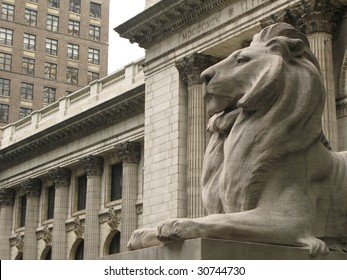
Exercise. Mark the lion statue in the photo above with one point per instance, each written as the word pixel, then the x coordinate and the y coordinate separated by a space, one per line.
pixel 269 175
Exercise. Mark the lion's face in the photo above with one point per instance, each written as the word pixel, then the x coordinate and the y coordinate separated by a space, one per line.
pixel 236 81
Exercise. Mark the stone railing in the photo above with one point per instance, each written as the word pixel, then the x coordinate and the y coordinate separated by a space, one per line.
pixel 115 84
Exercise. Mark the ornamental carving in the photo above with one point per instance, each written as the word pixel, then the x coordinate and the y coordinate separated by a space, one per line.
pixel 60 176
pixel 113 220
pixel 129 152
pixel 7 197
pixel 92 165
pixel 32 187
pixel 191 66
pixel 78 228
pixel 47 236
pixel 19 243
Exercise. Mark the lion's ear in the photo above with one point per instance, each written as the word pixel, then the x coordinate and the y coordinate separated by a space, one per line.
pixel 288 48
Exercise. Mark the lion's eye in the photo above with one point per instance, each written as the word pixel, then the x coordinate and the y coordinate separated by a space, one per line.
pixel 242 59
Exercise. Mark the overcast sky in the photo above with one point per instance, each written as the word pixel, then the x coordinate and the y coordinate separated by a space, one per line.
pixel 121 51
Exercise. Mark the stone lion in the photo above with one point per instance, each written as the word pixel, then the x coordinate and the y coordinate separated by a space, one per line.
pixel 269 175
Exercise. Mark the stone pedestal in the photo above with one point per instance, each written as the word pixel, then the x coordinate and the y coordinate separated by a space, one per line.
pixel 214 249
pixel 6 211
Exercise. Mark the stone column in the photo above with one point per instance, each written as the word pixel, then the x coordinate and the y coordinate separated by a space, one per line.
pixel 190 69
pixel 129 153
pixel 61 178
pixel 318 19
pixel 32 188
pixel 93 167
pixel 6 211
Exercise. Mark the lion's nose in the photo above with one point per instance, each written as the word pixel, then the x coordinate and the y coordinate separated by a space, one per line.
pixel 207 75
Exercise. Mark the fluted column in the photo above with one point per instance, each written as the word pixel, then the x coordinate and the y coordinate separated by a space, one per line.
pixel 190 69
pixel 93 167
pixel 129 153
pixel 61 178
pixel 6 211
pixel 32 189
pixel 318 19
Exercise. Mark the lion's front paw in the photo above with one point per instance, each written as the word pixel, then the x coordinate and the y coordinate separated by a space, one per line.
pixel 315 245
pixel 143 238
pixel 177 229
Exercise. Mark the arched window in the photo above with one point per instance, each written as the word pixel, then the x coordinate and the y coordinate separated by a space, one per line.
pixel 79 251
pixel 114 247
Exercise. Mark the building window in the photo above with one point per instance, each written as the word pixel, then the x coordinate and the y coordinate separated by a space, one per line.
pixel 94 56
pixel 50 202
pixel 27 91
pixel 4 112
pixel 51 46
pixel 116 181
pixel 54 3
pixel 22 210
pixel 115 244
pixel 28 66
pixel 79 251
pixel 95 10
pixel 5 87
pixel 29 42
pixel 94 32
pixel 74 28
pixel 30 17
pixel 50 71
pixel 73 51
pixel 72 75
pixel 5 61
pixel 52 23
pixel 75 6
pixel 7 12
pixel 82 192
pixel 6 36
pixel 49 95
pixel 23 112
pixel 92 76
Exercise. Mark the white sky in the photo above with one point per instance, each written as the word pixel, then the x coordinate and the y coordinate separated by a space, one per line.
pixel 121 52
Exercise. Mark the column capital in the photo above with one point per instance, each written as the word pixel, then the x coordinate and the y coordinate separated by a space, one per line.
pixel 7 197
pixel 32 187
pixel 60 176
pixel 92 165
pixel 129 152
pixel 191 67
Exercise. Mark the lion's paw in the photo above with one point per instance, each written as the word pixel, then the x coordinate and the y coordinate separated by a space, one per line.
pixel 315 245
pixel 177 229
pixel 143 238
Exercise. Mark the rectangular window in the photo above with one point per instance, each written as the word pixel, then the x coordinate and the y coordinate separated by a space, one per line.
pixel 92 76
pixel 94 56
pixel 52 23
pixel 28 66
pixel 95 10
pixel 22 211
pixel 94 32
pixel 75 6
pixel 51 47
pixel 53 3
pixel 5 87
pixel 116 181
pixel 30 17
pixel 4 109
pixel 27 91
pixel 74 28
pixel 72 75
pixel 50 202
pixel 7 12
pixel 73 51
pixel 49 95
pixel 23 112
pixel 5 61
pixel 29 42
pixel 82 193
pixel 6 36
pixel 50 71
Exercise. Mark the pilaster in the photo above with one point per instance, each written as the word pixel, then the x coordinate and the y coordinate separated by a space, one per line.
pixel 6 211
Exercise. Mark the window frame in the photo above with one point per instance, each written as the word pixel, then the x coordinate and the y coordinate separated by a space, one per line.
pixel 50 71
pixel 95 10
pixel 27 91
pixel 4 112
pixel 49 95
pixel 94 56
pixel 52 23
pixel 5 61
pixel 51 47
pixel 28 66
pixel 29 42
pixel 30 17
pixel 5 87
pixel 7 35
pixel 7 12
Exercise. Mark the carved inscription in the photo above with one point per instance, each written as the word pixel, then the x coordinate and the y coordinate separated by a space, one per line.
pixel 202 26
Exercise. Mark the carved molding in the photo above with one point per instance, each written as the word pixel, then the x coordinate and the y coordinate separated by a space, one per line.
pixel 92 165
pixel 341 107
pixel 47 236
pixel 19 243
pixel 32 187
pixel 7 197
pixel 60 176
pixel 78 228
pixel 343 76
pixel 129 152
pixel 113 219
pixel 191 67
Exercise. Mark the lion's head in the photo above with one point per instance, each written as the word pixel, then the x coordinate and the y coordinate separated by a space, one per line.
pixel 269 97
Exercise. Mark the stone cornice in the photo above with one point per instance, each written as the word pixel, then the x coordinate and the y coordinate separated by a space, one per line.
pixel 108 113
pixel 165 18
